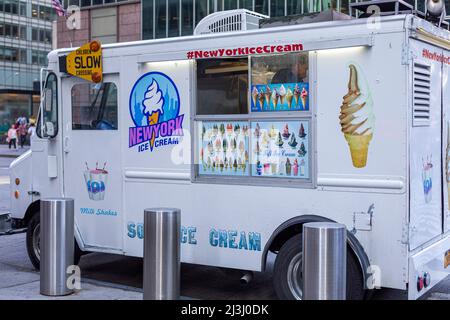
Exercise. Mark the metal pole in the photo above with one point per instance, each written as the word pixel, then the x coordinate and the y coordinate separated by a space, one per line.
pixel 56 245
pixel 162 253
pixel 324 261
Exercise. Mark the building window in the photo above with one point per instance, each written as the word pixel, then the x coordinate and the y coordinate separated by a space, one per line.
pixel 34 11
pixel 34 35
pixel 13 55
pixel 294 7
pixel 201 10
pixel 13 31
pixel 34 57
pixel 147 19
pixel 261 6
pixel 23 56
pixel 23 33
pixel 160 13
pixel 187 17
pixel 246 4
pixel 104 24
pixel 276 8
pixel 173 18
pixel 23 9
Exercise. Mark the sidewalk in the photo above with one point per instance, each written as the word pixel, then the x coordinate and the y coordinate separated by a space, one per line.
pixel 5 152
pixel 25 285
pixel 19 280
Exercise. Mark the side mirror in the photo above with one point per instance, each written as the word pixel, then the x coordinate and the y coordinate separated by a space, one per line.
pixel 47 126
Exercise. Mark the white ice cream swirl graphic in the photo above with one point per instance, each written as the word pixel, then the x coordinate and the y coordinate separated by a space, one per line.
pixel 153 99
pixel 357 106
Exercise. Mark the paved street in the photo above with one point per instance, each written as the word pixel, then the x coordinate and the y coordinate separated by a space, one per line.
pixel 108 276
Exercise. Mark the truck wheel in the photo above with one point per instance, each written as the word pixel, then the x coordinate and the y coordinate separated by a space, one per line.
pixel 287 277
pixel 33 242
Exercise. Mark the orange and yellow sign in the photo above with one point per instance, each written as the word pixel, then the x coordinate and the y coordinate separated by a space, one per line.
pixel 86 62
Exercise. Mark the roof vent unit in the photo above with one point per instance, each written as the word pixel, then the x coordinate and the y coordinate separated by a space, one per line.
pixel 229 21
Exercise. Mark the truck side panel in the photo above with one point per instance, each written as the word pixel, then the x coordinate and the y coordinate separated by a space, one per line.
pixel 425 146
pixel 229 225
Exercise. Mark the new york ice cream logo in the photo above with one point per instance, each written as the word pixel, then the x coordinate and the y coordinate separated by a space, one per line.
pixel 155 108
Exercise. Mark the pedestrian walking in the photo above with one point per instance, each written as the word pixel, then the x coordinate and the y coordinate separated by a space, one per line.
pixel 12 136
pixel 22 133
pixel 31 130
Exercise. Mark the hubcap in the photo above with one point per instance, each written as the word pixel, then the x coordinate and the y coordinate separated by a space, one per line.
pixel 294 276
pixel 37 241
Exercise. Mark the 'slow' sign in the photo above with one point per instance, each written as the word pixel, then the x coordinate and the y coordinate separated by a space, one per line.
pixel 86 62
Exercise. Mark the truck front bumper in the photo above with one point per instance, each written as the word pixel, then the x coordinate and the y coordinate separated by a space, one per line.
pixel 9 225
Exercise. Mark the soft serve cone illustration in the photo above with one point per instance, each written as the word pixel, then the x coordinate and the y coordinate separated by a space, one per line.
pixel 153 103
pixel 356 117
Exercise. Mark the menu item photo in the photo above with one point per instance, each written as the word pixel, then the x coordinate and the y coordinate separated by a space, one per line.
pixel 280 149
pixel 223 148
pixel 276 97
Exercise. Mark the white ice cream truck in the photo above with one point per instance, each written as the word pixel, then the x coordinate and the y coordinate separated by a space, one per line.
pixel 253 133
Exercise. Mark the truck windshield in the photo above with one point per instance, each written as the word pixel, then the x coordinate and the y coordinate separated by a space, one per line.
pixel 94 106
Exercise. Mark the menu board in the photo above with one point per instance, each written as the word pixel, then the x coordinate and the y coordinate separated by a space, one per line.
pixel 281 149
pixel 280 97
pixel 223 148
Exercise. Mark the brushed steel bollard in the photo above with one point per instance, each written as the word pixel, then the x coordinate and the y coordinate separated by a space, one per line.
pixel 162 253
pixel 324 261
pixel 56 245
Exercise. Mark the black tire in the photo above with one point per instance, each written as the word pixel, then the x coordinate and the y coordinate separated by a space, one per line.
pixel 32 240
pixel 287 285
pixel 33 226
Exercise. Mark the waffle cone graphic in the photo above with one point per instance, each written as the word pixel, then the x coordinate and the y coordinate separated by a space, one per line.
pixel 267 97
pixel 354 120
pixel 303 101
pixel 296 96
pixel 359 146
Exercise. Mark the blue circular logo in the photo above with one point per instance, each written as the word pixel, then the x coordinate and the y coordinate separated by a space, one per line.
pixel 154 99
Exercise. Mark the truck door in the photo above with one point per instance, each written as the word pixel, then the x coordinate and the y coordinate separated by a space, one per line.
pixel 92 160
pixel 425 146
pixel 446 142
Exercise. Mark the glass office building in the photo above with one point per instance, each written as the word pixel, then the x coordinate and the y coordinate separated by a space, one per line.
pixel 171 18
pixel 25 40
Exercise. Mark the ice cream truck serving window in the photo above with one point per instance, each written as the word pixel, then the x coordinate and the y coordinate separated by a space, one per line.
pixel 253 120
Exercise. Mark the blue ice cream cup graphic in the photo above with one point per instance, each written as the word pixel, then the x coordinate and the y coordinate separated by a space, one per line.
pixel 96 181
pixel 427 180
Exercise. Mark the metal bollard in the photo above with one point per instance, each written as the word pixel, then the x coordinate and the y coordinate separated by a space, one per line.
pixel 324 261
pixel 162 254
pixel 56 245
